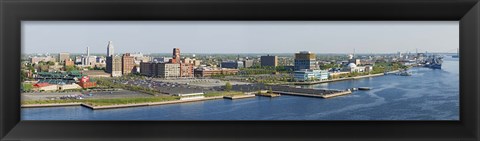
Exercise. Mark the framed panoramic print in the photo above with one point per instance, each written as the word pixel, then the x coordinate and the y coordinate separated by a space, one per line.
pixel 239 70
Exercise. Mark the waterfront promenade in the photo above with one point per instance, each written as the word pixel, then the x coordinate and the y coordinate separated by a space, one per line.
pixel 340 79
pixel 120 105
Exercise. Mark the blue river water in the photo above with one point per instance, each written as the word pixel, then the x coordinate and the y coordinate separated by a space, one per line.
pixel 426 95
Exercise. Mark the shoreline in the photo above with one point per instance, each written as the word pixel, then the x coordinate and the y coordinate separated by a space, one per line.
pixel 201 99
pixel 50 105
pixel 342 79
pixel 118 106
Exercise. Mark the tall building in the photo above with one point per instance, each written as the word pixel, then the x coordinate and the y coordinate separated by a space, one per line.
pixel 162 59
pixel 35 59
pixel 232 64
pixel 247 63
pixel 88 56
pixel 69 62
pixel 269 60
pixel 63 56
pixel 186 70
pixel 304 60
pixel 110 49
pixel 193 61
pixel 114 66
pixel 163 70
pixel 128 63
pixel 89 60
pixel 176 55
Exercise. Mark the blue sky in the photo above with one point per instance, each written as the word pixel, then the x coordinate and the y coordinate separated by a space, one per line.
pixel 240 36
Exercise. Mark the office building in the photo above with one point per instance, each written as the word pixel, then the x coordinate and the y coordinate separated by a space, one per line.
pixel 35 59
pixel 186 70
pixel 89 61
pixel 193 61
pixel 110 49
pixel 304 60
pixel 269 61
pixel 176 55
pixel 161 59
pixel 114 66
pixel 163 70
pixel 128 63
pixel 63 56
pixel 310 75
pixel 232 64
pixel 247 63
pixel 68 63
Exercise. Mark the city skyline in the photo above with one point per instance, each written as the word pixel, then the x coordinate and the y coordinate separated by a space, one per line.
pixel 241 37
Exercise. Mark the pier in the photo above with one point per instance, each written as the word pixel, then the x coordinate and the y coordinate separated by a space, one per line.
pixel 325 96
pixel 309 92
pixel 238 96
pixel 50 105
pixel 269 95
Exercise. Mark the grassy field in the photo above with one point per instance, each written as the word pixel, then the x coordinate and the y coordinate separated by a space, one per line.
pixel 27 87
pixel 107 102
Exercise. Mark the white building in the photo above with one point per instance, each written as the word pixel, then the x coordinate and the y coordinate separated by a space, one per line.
pixel 110 49
pixel 308 74
pixel 351 67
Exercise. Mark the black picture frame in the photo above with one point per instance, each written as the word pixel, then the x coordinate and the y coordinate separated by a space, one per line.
pixel 465 11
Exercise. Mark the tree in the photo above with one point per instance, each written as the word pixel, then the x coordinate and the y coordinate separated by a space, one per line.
pixel 70 68
pixel 50 63
pixel 228 86
pixel 270 90
pixel 23 76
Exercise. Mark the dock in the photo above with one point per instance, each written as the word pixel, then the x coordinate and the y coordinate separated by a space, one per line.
pixel 269 95
pixel 299 94
pixel 325 96
pixel 150 104
pixel 337 94
pixel 50 105
pixel 238 96
pixel 122 105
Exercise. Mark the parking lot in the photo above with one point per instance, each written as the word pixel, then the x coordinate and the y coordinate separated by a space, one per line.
pixel 85 95
pixel 200 82
pixel 170 87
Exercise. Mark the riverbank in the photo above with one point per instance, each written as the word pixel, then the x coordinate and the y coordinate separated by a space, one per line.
pixel 341 79
pixel 128 102
pixel 96 107
pixel 151 104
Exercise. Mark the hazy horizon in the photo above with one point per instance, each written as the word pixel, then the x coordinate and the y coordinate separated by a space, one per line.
pixel 240 37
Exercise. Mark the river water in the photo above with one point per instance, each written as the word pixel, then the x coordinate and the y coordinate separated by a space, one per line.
pixel 426 95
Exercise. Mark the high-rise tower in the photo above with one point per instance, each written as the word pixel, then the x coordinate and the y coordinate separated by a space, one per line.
pixel 176 55
pixel 87 62
pixel 109 49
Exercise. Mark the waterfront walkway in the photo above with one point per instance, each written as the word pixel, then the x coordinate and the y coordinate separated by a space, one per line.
pixel 339 79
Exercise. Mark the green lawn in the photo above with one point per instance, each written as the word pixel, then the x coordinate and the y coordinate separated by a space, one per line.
pixel 107 102
pixel 27 87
